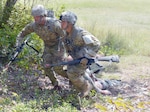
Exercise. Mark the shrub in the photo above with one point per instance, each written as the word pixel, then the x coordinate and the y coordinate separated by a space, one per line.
pixel 8 33
pixel 20 16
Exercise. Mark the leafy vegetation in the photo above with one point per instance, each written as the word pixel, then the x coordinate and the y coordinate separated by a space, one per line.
pixel 11 29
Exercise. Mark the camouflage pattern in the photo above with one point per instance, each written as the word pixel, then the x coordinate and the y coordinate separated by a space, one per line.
pixel 68 16
pixel 76 44
pixel 38 10
pixel 50 33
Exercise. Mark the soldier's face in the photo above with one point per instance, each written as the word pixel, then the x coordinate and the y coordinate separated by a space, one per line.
pixel 64 25
pixel 39 19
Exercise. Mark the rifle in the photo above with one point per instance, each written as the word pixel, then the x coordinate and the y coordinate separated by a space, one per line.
pixel 18 50
pixel 112 58
pixel 94 67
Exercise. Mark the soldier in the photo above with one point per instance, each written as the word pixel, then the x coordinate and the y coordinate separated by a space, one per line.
pixel 49 30
pixel 78 43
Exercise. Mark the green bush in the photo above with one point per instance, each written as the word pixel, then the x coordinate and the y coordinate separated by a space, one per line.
pixel 18 19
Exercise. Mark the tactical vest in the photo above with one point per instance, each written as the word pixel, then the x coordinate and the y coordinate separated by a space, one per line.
pixel 50 32
pixel 74 42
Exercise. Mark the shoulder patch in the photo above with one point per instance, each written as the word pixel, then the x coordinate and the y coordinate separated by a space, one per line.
pixel 88 39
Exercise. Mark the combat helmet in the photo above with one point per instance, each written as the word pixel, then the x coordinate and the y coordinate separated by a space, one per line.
pixel 38 10
pixel 69 17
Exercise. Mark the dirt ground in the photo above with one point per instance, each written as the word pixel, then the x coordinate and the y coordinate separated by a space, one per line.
pixel 134 76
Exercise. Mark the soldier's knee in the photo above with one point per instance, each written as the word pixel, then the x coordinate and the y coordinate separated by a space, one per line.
pixel 82 85
pixel 60 71
pixel 86 88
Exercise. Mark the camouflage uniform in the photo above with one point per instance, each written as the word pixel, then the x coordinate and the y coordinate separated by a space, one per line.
pixel 78 44
pixel 50 33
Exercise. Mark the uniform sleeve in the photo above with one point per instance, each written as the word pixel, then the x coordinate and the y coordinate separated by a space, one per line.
pixel 92 44
pixel 25 31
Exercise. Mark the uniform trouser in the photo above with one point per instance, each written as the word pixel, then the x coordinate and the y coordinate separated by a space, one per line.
pixel 52 72
pixel 76 76
pixel 52 56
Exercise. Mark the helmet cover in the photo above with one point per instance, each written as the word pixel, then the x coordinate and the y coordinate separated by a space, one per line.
pixel 38 10
pixel 69 17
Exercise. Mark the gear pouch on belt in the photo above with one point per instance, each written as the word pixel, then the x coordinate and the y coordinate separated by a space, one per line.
pixel 95 67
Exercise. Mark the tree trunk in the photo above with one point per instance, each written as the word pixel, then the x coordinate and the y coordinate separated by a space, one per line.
pixel 7 11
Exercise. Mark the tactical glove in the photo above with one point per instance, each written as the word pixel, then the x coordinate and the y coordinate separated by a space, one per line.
pixel 84 61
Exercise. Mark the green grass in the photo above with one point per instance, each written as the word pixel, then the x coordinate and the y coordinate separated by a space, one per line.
pixel 127 19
